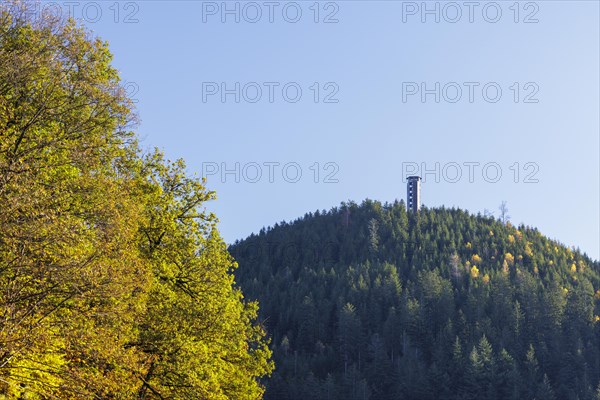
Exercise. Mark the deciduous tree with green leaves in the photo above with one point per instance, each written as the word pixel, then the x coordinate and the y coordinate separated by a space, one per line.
pixel 114 283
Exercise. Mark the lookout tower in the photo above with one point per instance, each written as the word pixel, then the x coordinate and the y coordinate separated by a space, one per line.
pixel 413 193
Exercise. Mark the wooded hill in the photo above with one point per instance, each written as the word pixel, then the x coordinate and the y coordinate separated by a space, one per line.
pixel 369 302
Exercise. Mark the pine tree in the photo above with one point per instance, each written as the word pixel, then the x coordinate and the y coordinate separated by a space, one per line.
pixel 545 391
pixel 350 334
pixel 532 371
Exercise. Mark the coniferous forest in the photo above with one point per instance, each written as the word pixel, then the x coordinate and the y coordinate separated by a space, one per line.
pixel 371 302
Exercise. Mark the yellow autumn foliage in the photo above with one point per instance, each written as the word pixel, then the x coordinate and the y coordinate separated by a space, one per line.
pixel 528 250
pixel 505 267
pixel 115 281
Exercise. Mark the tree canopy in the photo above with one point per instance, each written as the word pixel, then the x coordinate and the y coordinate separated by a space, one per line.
pixel 114 281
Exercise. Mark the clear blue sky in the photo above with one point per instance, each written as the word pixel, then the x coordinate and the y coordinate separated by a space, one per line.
pixel 371 61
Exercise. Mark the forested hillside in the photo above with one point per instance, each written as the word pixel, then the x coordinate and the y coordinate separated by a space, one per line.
pixel 369 302
pixel 114 281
